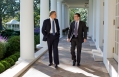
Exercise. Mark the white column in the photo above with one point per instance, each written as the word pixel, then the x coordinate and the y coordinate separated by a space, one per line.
pixel 87 19
pixel 44 14
pixel 109 16
pixel 53 5
pixel 26 30
pixel 63 16
pixel 59 15
pixel 11 26
pixel 99 23
pixel 66 16
pixel 94 20
pixel 90 17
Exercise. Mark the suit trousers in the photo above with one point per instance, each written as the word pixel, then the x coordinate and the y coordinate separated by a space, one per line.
pixel 75 43
pixel 52 42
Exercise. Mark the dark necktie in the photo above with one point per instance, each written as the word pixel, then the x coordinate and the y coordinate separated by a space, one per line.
pixel 76 30
pixel 53 27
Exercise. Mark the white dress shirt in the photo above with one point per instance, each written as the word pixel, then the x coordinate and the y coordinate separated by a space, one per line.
pixel 51 20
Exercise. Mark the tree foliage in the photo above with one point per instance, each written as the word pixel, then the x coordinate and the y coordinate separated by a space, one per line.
pixel 36 12
pixel 83 12
pixel 8 9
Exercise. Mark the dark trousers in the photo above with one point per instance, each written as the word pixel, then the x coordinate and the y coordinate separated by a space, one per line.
pixel 52 42
pixel 75 42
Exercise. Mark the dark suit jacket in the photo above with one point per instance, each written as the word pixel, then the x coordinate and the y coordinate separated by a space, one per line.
pixel 47 27
pixel 82 31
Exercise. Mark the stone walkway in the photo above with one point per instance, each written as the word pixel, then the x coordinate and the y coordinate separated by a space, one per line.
pixel 88 68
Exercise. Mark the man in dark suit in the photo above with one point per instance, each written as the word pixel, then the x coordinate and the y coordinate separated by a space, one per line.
pixel 51 32
pixel 77 35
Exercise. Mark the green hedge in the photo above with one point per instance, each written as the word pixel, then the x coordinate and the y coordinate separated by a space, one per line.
pixel 7 33
pixel 8 62
pixel 14 58
pixel 17 54
pixel 13 45
pixel 2 68
pixel 36 40
pixel 3 46
pixel 2 50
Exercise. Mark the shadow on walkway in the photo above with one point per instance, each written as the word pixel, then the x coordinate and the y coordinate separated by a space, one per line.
pixel 88 68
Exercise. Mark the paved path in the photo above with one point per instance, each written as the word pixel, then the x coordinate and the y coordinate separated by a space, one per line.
pixel 88 68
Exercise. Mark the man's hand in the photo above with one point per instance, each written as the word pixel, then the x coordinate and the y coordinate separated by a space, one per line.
pixel 68 40
pixel 85 40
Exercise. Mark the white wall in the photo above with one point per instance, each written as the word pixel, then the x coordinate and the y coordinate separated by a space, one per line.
pixel 109 16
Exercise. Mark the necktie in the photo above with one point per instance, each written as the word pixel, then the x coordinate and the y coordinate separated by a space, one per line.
pixel 76 30
pixel 53 27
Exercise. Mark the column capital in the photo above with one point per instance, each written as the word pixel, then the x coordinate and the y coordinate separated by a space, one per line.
pixel 65 4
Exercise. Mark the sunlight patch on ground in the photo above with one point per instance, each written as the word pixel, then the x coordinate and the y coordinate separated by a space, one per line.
pixel 76 70
pixel 34 73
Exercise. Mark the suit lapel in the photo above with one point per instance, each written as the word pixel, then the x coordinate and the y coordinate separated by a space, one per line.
pixel 50 24
pixel 80 24
pixel 73 26
pixel 56 23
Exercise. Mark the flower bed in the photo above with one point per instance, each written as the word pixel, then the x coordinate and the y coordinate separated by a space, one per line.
pixel 9 52
pixel 9 49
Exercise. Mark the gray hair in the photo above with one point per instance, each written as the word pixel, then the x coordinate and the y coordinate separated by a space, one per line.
pixel 52 12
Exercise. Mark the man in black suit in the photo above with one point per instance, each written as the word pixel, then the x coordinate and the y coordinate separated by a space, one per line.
pixel 51 32
pixel 77 35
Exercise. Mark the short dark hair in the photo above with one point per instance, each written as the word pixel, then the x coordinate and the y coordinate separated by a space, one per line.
pixel 52 12
pixel 77 14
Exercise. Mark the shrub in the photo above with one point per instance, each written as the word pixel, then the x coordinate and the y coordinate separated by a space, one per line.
pixel 14 45
pixel 7 32
pixel 6 64
pixel 2 50
pixel 16 33
pixel 10 60
pixel 17 54
pixel 36 40
pixel 2 68
pixel 14 58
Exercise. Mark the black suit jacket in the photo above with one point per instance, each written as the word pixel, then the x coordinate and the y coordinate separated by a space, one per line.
pixel 82 31
pixel 47 27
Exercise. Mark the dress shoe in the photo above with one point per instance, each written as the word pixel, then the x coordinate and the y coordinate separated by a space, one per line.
pixel 56 66
pixel 74 63
pixel 50 64
pixel 78 64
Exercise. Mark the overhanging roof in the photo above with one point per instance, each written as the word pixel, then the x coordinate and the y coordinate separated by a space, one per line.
pixel 77 3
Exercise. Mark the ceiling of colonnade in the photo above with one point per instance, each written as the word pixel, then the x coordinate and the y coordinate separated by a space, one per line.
pixel 76 3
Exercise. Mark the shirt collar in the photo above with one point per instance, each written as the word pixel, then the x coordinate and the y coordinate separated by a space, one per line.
pixel 77 21
pixel 51 19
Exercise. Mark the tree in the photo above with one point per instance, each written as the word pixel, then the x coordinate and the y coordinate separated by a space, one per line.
pixel 72 12
pixel 36 12
pixel 11 9
pixel 83 12
pixel 8 9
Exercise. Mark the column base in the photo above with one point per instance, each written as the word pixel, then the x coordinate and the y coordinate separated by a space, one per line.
pixel 26 60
